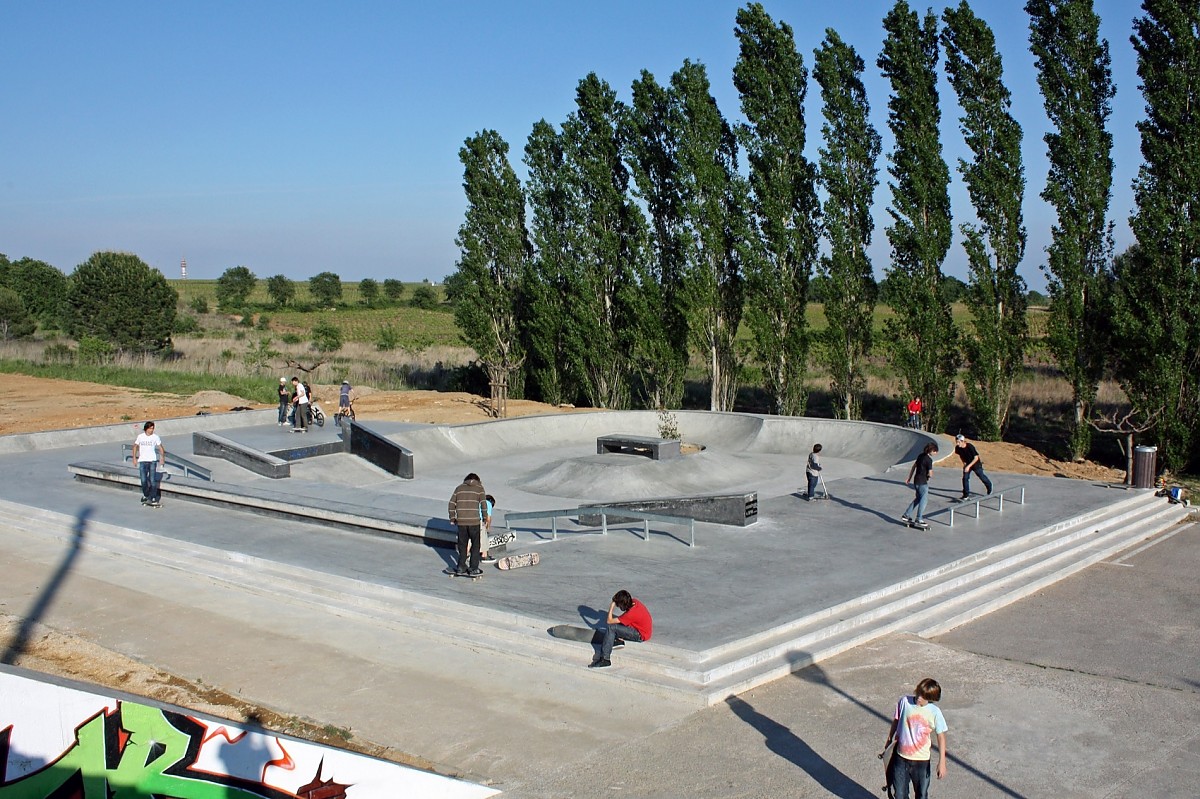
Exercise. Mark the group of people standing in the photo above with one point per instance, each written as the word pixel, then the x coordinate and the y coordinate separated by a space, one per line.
pixel 922 472
pixel 295 404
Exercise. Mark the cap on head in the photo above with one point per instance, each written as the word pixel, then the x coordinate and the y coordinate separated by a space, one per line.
pixel 283 380
pixel 960 437
pixel 345 382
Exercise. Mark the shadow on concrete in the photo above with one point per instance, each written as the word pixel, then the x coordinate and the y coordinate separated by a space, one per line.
pixel 40 605
pixel 592 617
pixel 817 676
pixel 785 743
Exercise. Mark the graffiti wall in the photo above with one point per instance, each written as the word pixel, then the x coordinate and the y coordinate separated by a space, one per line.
pixel 62 743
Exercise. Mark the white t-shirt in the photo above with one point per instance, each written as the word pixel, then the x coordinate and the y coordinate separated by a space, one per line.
pixel 147 447
pixel 301 394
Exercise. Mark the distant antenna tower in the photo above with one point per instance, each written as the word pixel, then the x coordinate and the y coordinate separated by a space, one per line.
pixel 183 268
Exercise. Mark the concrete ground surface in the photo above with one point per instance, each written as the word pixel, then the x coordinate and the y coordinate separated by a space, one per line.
pixel 1088 688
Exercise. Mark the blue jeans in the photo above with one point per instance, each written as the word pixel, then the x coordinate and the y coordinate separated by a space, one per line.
pixel 150 480
pixel 614 632
pixel 914 421
pixel 918 503
pixel 914 771
pixel 812 486
pixel 283 410
pixel 983 478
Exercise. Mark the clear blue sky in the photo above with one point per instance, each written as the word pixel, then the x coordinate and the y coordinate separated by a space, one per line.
pixel 298 137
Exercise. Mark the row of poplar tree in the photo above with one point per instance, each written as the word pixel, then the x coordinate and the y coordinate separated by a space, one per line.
pixel 639 239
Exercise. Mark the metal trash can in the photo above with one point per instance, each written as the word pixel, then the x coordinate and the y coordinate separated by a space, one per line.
pixel 1144 461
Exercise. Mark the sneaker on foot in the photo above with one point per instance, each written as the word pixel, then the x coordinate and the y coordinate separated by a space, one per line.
pixel 618 644
pixel 145 500
pixel 965 496
pixel 905 519
pixel 489 558
pixel 599 663
pixel 475 573
pixel 989 489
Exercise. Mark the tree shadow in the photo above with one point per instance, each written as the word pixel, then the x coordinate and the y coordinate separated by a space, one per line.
pixel 40 605
pixel 791 747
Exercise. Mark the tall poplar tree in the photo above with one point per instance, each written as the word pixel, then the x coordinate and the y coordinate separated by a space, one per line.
pixel 923 339
pixel 714 201
pixel 849 174
pixel 495 249
pixel 653 142
pixel 1157 296
pixel 1077 90
pixel 601 295
pixel 772 82
pixel 995 179
pixel 553 208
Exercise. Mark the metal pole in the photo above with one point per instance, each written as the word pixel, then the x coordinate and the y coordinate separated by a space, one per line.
pixel 554 527
pixel 603 523
pixel 692 532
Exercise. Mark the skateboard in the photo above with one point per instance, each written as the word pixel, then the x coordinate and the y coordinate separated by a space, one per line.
pixel 917 525
pixel 584 635
pixel 453 573
pixel 517 561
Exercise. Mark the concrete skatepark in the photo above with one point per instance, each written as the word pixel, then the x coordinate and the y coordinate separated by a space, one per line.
pixel 742 608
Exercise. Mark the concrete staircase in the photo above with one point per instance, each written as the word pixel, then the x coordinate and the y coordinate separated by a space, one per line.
pixel 926 604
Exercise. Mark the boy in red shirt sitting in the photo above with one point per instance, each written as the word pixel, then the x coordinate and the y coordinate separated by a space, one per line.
pixel 634 624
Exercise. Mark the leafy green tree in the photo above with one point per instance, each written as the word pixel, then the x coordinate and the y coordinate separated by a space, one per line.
pixel 652 142
pixel 261 355
pixel 326 289
pixel 771 79
pixel 601 289
pixel 326 337
pixel 368 290
pixel 234 287
pixel 15 321
pixel 543 314
pixel 995 179
pixel 117 298
pixel 425 298
pixel 1075 77
pixel 387 338
pixel 715 200
pixel 282 290
pixel 485 291
pixel 923 339
pixel 40 286
pixel 849 175
pixel 393 290
pixel 1158 286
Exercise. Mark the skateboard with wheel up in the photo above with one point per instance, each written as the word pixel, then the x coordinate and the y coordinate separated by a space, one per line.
pixel 518 561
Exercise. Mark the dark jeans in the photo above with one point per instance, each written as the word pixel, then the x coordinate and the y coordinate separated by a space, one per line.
pixel 614 632
pixel 468 535
pixel 905 771
pixel 983 478
pixel 914 421
pixel 283 411
pixel 812 485
pixel 150 480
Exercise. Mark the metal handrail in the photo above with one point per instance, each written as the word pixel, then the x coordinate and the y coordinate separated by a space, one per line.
pixel 604 512
pixel 998 495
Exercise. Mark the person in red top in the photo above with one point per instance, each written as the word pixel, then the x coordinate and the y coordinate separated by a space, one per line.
pixel 634 624
pixel 914 413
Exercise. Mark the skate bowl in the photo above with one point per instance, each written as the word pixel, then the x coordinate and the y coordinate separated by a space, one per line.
pixel 554 455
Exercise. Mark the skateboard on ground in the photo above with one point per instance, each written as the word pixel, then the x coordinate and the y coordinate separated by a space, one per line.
pixel 517 561
pixel 917 525
pixel 453 573
pixel 570 632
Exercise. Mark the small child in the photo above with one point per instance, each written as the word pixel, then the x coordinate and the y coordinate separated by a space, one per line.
pixel 914 724
pixel 813 471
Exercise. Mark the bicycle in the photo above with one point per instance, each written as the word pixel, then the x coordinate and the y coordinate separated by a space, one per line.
pixel 344 413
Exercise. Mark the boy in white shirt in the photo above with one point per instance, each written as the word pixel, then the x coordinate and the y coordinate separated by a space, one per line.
pixel 149 453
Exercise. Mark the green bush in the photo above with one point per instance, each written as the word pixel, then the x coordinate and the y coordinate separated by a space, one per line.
pixel 387 339
pixel 58 353
pixel 199 305
pixel 234 286
pixel 185 324
pixel 15 321
pixel 326 337
pixel 118 298
pixel 425 298
pixel 290 338
pixel 263 323
pixel 94 350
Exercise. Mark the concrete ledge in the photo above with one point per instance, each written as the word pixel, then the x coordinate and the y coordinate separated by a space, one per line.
pixel 740 510
pixel 216 446
pixel 380 450
pixel 657 449
pixel 343 515
pixel 309 451
pixel 57 439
